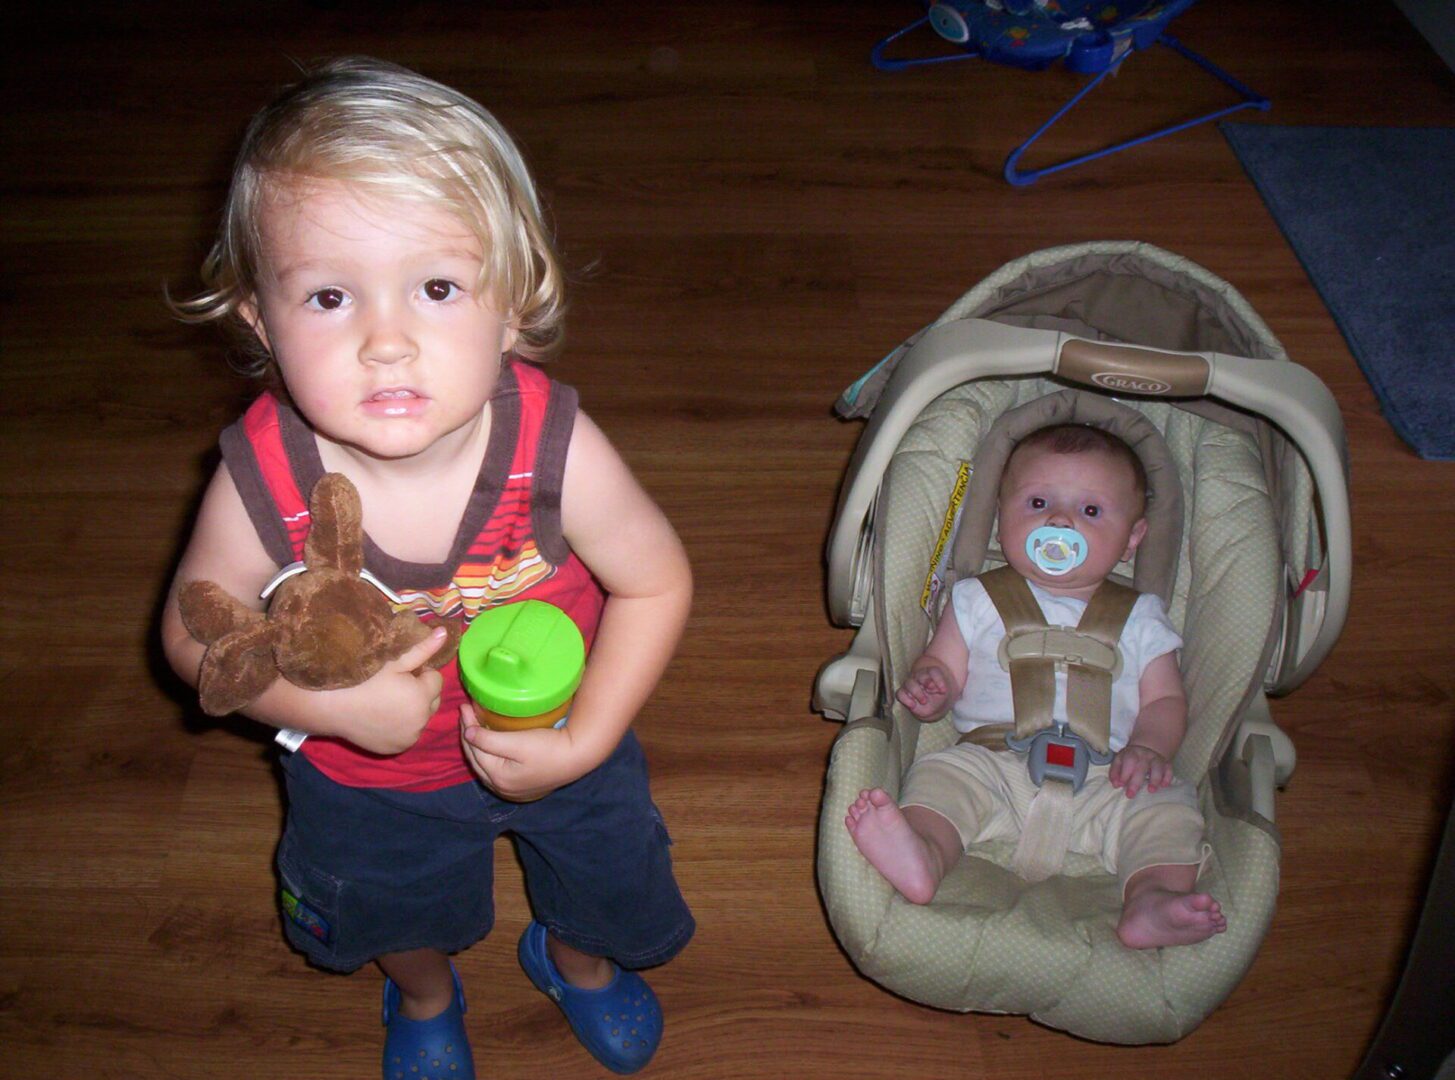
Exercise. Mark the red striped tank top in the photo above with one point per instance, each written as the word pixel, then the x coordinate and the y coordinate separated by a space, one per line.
pixel 509 547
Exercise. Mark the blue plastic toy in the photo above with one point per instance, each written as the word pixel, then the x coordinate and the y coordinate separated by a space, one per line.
pixel 1091 36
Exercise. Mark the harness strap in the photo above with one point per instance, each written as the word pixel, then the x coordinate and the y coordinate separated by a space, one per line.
pixel 990 736
pixel 1089 653
pixel 1032 680
pixel 1033 677
pixel 1088 689
pixel 1046 832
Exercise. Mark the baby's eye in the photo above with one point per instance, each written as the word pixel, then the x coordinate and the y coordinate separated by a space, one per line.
pixel 438 289
pixel 1091 510
pixel 1037 503
pixel 327 299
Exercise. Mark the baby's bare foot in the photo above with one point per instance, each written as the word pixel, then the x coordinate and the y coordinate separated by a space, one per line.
pixel 881 831
pixel 1155 917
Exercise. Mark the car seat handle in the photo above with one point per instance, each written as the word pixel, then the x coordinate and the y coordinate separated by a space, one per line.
pixel 1129 369
pixel 964 348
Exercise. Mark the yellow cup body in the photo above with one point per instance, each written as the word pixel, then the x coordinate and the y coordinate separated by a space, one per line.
pixel 496 722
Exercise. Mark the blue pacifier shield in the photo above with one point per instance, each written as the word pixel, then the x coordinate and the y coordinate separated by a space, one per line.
pixel 1056 551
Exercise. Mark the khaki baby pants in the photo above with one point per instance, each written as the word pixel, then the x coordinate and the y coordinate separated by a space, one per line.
pixel 986 795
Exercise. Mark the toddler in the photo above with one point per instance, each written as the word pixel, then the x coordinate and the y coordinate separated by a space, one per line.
pixel 1133 813
pixel 383 248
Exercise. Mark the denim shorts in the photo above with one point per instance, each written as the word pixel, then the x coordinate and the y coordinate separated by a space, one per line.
pixel 369 871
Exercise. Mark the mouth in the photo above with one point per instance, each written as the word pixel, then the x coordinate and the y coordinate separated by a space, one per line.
pixel 395 401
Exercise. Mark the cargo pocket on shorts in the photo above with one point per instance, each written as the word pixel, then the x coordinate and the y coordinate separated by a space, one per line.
pixel 309 901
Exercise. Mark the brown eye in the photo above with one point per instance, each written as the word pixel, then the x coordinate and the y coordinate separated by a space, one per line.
pixel 438 289
pixel 1038 503
pixel 327 299
pixel 1092 510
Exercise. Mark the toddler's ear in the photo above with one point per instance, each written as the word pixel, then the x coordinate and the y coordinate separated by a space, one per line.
pixel 250 314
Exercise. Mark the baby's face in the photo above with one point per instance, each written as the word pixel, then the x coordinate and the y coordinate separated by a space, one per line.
pixel 1091 492
pixel 372 311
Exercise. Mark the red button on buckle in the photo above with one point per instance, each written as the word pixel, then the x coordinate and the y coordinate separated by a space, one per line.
pixel 1057 754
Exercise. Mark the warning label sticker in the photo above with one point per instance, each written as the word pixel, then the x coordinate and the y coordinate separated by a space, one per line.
pixel 940 559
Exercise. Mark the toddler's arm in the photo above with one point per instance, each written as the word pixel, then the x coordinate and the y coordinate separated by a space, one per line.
pixel 1159 730
pixel 621 535
pixel 384 715
pixel 937 678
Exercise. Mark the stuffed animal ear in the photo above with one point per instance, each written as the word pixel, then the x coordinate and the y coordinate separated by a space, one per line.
pixel 336 528
pixel 209 612
pixel 406 630
pixel 236 669
pixel 454 630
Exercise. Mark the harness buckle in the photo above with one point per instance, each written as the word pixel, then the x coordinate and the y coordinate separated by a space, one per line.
pixel 1057 753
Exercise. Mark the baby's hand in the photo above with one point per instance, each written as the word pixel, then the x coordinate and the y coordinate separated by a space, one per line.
pixel 388 712
pixel 926 692
pixel 1135 765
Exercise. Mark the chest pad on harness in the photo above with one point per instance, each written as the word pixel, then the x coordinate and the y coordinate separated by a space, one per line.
pixel 1032 651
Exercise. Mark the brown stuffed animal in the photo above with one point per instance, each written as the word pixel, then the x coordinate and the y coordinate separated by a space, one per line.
pixel 324 629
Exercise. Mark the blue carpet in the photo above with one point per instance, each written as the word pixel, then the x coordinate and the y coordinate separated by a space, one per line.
pixel 1370 212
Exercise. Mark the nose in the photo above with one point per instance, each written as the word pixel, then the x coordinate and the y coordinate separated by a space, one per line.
pixel 1060 519
pixel 387 340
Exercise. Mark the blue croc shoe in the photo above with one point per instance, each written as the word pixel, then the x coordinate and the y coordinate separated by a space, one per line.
pixel 434 1049
pixel 621 1024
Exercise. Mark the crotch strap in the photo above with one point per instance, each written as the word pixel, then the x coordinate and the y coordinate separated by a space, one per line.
pixel 1058 755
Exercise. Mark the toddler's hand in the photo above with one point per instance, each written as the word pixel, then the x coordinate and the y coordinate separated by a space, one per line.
pixel 521 766
pixel 926 692
pixel 1135 765
pixel 386 713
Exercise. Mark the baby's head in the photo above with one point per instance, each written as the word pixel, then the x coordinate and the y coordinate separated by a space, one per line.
pixel 397 137
pixel 1071 505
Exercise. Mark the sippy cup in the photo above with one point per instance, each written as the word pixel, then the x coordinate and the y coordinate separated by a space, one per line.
pixel 521 664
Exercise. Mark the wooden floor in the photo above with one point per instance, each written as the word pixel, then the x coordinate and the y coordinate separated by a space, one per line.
pixel 754 215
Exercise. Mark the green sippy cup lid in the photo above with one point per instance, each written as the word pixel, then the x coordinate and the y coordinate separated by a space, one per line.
pixel 522 659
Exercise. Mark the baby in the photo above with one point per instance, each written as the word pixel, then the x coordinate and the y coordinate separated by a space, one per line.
pixel 1133 813
pixel 383 248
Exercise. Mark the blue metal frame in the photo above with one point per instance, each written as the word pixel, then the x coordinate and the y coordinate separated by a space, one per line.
pixel 1023 177
pixel 878 59
pixel 1251 100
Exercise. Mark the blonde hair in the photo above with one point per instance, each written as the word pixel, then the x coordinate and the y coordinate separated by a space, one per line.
pixel 396 135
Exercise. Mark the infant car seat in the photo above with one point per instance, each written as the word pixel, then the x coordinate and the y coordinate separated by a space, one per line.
pixel 1248 544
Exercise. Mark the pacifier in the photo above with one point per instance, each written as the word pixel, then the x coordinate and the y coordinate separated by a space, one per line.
pixel 1056 551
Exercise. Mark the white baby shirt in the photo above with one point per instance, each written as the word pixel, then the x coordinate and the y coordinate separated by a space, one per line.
pixel 1147 635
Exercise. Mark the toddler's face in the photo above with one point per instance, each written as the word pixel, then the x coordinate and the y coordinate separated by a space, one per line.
pixel 1091 492
pixel 372 312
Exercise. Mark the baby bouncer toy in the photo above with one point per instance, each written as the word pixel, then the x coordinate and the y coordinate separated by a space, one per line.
pixel 1092 37
pixel 1248 545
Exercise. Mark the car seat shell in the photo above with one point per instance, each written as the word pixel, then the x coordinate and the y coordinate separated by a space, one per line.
pixel 991 942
